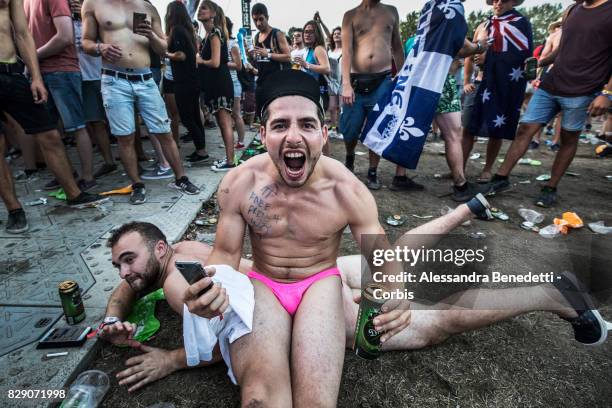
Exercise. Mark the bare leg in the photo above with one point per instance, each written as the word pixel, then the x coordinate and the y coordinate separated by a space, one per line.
pixel 564 157
pixel 172 153
pixel 174 116
pixel 238 122
pixel 85 153
pixel 317 345
pixel 159 152
pixel 467 144
pixel 450 126
pixel 7 188
pixel 374 159
pixel 557 136
pixel 128 157
pixel 493 148
pixel 57 160
pixel 224 119
pixel 260 360
pixel 334 110
pixel 519 146
pixel 98 131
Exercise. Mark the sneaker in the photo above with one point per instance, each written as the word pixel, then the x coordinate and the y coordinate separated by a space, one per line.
pixel 589 327
pixel 151 166
pixel 548 142
pixel 497 186
pixel 85 200
pixel 403 183
pixel 197 158
pixel 533 145
pixel 555 147
pixel 548 196
pixel 85 185
pixel 54 184
pixel 17 222
pixel 23 176
pixel 157 173
pixel 239 146
pixel 480 207
pixel 186 138
pixel 139 194
pixel 223 165
pixel 373 183
pixel 185 186
pixel 468 193
pixel 105 170
pixel 209 124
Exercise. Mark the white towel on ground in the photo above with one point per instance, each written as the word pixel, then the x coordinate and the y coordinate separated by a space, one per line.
pixel 200 334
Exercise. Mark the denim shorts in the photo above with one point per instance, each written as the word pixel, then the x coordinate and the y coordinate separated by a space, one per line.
pixel 237 88
pixel 93 107
pixel 66 98
pixel 544 106
pixel 353 117
pixel 120 96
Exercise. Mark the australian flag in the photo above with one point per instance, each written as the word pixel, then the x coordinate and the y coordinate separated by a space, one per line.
pixel 499 97
pixel 397 127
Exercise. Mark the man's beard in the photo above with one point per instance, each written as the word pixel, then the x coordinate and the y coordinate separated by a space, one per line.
pixel 148 278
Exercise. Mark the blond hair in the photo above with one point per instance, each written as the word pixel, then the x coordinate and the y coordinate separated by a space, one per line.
pixel 219 19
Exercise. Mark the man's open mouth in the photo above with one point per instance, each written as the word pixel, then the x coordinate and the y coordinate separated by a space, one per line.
pixel 294 163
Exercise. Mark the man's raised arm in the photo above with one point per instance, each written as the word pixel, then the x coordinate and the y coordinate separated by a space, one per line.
pixel 348 95
pixel 396 42
pixel 27 50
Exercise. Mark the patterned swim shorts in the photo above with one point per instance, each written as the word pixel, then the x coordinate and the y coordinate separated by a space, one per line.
pixel 449 100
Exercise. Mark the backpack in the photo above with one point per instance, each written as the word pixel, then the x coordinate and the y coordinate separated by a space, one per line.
pixel 275 48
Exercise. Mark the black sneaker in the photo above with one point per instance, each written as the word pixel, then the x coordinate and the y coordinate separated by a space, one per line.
pixel 548 197
pixel 85 185
pixel 186 137
pixel 85 200
pixel 209 124
pixel 497 186
pixel 373 183
pixel 222 166
pixel 185 186
pixel 403 183
pixel 466 194
pixel 139 194
pixel 105 170
pixel 480 207
pixel 197 158
pixel 589 327
pixel 54 184
pixel 17 222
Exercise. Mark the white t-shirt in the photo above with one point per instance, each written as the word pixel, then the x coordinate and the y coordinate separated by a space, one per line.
pixel 91 67
pixel 299 53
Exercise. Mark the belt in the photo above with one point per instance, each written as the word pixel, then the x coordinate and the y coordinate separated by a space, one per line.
pixel 11 68
pixel 129 77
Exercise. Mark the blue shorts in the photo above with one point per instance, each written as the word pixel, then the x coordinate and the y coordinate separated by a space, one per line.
pixel 237 89
pixel 66 98
pixel 120 96
pixel 352 118
pixel 544 106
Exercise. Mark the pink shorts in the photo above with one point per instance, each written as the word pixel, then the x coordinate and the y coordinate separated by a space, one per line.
pixel 290 294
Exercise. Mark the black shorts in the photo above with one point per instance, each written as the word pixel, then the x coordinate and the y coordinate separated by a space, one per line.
pixel 16 100
pixel 167 86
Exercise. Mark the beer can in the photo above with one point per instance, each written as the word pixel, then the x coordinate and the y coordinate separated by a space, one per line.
pixel 70 295
pixel 531 68
pixel 367 339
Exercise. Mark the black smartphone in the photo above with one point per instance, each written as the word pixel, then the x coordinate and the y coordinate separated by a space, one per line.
pixel 138 18
pixel 192 271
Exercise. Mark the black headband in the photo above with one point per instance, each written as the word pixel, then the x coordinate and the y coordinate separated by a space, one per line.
pixel 288 82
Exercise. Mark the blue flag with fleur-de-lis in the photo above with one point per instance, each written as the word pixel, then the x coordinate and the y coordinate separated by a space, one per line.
pixel 499 97
pixel 397 127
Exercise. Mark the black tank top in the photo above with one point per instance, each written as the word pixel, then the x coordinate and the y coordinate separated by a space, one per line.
pixel 266 66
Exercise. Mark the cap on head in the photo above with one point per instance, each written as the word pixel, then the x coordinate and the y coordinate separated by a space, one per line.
pixel 288 82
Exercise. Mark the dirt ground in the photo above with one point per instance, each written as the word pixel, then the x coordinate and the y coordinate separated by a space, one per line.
pixel 527 361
